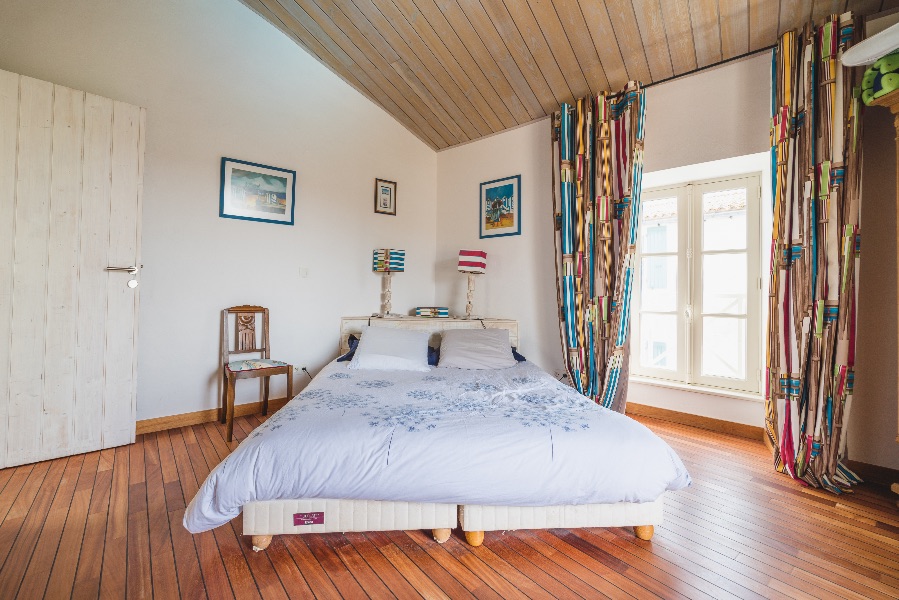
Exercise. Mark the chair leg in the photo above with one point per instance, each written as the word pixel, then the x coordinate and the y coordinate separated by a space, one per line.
pixel 265 395
pixel 223 410
pixel 230 407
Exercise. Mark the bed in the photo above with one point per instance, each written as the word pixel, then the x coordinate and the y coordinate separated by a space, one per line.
pixel 489 450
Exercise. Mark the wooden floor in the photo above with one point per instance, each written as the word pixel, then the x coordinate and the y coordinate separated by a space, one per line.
pixel 108 524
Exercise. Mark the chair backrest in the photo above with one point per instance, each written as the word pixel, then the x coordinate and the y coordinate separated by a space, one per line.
pixel 246 320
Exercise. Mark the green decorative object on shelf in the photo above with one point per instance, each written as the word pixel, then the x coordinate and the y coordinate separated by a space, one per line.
pixel 881 78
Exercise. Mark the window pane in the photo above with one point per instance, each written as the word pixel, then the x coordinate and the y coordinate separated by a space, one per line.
pixel 724 283
pixel 724 347
pixel 659 220
pixel 724 220
pixel 658 289
pixel 658 341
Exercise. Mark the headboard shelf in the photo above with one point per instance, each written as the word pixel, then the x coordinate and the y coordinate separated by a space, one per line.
pixel 353 325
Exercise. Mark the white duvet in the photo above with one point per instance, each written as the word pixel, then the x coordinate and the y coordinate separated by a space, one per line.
pixel 513 437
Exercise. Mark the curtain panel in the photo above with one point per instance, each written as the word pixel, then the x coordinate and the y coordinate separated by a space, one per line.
pixel 816 167
pixel 598 155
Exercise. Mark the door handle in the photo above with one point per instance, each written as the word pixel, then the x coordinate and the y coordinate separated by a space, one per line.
pixel 132 283
pixel 132 270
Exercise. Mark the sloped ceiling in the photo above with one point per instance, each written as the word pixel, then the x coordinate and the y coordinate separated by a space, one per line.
pixel 457 70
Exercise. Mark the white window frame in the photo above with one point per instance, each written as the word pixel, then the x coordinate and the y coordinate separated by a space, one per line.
pixel 689 310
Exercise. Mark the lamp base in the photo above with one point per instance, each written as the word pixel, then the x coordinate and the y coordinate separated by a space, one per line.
pixel 470 296
pixel 388 295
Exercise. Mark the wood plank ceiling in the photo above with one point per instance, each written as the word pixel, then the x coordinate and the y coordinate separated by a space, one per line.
pixel 452 71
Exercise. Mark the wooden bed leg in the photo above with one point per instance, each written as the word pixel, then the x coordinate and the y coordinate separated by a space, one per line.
pixel 441 535
pixel 474 538
pixel 261 542
pixel 644 532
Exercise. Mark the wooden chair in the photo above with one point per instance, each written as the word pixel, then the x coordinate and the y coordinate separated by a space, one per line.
pixel 246 320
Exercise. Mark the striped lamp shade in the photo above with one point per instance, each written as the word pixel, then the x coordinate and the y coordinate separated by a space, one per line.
pixel 472 261
pixel 385 260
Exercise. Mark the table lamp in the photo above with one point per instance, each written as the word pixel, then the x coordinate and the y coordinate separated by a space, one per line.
pixel 473 262
pixel 387 261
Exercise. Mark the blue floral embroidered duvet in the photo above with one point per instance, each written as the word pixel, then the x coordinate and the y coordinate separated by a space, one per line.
pixel 513 437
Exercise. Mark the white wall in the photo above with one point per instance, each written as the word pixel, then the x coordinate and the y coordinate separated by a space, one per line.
pixel 712 115
pixel 519 282
pixel 219 81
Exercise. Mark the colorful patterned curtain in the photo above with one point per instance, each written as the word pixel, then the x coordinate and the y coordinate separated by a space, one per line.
pixel 816 166
pixel 598 151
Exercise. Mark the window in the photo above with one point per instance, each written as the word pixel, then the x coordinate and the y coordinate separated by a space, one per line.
pixel 698 301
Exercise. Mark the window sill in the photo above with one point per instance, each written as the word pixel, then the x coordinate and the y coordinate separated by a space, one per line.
pixel 699 389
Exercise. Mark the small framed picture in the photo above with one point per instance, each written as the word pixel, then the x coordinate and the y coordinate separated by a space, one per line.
pixel 385 197
pixel 500 207
pixel 255 192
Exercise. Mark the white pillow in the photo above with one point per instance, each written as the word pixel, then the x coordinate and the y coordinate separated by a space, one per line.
pixel 388 349
pixel 476 349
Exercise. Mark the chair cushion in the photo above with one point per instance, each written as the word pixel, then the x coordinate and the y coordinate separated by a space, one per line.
pixel 254 363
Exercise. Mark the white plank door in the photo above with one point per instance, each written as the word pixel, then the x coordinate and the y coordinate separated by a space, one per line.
pixel 71 181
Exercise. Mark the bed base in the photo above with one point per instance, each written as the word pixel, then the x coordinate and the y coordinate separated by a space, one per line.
pixel 476 519
pixel 261 542
pixel 263 519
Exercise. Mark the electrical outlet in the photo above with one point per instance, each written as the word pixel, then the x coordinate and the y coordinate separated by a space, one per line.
pixel 304 272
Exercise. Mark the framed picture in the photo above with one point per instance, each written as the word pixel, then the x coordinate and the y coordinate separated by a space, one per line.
pixel 500 207
pixel 254 192
pixel 385 197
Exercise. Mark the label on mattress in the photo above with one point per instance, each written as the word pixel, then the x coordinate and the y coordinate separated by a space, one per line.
pixel 310 518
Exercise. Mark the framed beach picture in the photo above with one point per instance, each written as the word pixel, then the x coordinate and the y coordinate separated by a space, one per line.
pixel 500 207
pixel 254 192
pixel 385 197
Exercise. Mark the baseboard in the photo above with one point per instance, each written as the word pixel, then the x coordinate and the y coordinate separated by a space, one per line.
pixel 870 473
pixel 874 473
pixel 204 416
pixel 663 414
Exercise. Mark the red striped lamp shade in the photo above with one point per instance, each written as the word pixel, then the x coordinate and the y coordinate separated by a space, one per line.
pixel 472 261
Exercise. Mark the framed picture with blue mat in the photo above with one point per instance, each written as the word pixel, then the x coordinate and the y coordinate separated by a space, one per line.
pixel 499 209
pixel 255 192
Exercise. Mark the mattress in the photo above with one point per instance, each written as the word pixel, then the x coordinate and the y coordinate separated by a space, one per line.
pixel 512 437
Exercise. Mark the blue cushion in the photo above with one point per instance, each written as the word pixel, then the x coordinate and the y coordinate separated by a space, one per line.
pixel 517 356
pixel 353 342
pixel 254 363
